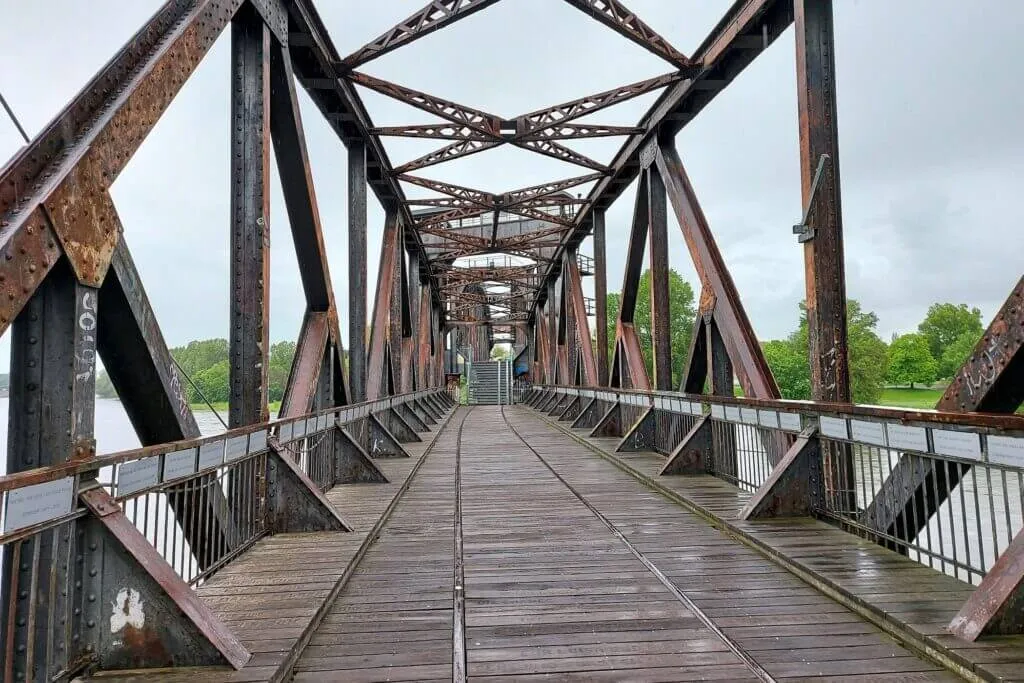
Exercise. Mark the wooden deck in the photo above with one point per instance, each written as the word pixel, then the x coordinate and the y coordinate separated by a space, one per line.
pixel 514 550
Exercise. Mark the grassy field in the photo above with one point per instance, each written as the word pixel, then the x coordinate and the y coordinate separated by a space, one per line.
pixel 910 398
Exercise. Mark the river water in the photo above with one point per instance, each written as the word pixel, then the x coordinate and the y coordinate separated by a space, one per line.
pixel 114 431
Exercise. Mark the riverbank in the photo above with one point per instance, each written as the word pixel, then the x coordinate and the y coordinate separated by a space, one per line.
pixel 222 407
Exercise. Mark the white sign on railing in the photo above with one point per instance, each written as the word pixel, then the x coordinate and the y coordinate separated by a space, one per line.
pixel 904 437
pixel 211 454
pixel 768 418
pixel 38 503
pixel 833 427
pixel 138 475
pixel 179 464
pixel 236 448
pixel 790 422
pixel 965 445
pixel 1006 450
pixel 868 432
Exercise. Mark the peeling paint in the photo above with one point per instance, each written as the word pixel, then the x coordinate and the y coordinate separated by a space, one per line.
pixel 127 610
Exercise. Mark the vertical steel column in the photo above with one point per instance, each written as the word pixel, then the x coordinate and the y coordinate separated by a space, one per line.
pixel 823 253
pixel 357 270
pixel 601 296
pixel 395 312
pixel 51 414
pixel 377 359
pixel 661 330
pixel 250 213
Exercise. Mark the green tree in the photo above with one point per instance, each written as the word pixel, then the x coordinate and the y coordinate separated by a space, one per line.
pixel 956 354
pixel 213 382
pixel 682 313
pixel 910 361
pixel 944 324
pixel 281 355
pixel 104 387
pixel 868 357
pixel 790 366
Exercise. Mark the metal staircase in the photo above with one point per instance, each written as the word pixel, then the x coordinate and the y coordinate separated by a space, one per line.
pixel 490 383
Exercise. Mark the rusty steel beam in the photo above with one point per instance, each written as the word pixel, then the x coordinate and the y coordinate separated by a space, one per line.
pixel 456 150
pixel 601 297
pixel 54 191
pixel 136 358
pixel 623 21
pixel 550 117
pixel 297 182
pixel 695 372
pixel 635 253
pixel 546 189
pixel 50 417
pixel 574 284
pixel 357 287
pixel 436 15
pixel 628 369
pixel 441 217
pixel 378 361
pixel 425 341
pixel 478 197
pixel 249 338
pixel 314 58
pixel 573 131
pixel 730 318
pixel 434 131
pixel 304 377
pixel 443 203
pixel 480 121
pixel 744 32
pixel 823 252
pixel 554 150
pixel 526 211
pixel 564 199
pixel 661 329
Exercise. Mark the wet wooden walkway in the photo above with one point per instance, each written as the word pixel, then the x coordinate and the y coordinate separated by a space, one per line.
pixel 572 570
pixel 510 550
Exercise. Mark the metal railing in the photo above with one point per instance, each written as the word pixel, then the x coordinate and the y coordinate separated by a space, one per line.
pixel 200 503
pixel 967 469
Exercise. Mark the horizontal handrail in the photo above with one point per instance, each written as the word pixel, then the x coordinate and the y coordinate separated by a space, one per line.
pixel 994 423
pixel 346 414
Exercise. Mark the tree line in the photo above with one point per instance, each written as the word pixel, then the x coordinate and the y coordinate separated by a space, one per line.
pixel 943 341
pixel 206 363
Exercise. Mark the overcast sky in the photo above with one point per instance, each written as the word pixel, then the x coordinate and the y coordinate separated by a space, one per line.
pixel 931 140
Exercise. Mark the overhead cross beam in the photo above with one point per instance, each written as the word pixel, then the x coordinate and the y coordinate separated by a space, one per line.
pixel 616 16
pixel 535 122
pixel 436 15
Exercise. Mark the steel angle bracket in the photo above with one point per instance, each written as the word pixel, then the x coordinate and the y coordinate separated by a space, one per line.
pixel 804 231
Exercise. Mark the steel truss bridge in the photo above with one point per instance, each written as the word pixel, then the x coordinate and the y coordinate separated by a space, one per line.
pixel 613 526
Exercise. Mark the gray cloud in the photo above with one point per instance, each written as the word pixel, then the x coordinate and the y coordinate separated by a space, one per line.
pixel 929 119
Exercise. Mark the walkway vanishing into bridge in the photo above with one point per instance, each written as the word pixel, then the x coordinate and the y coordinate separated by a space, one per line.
pixel 622 523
